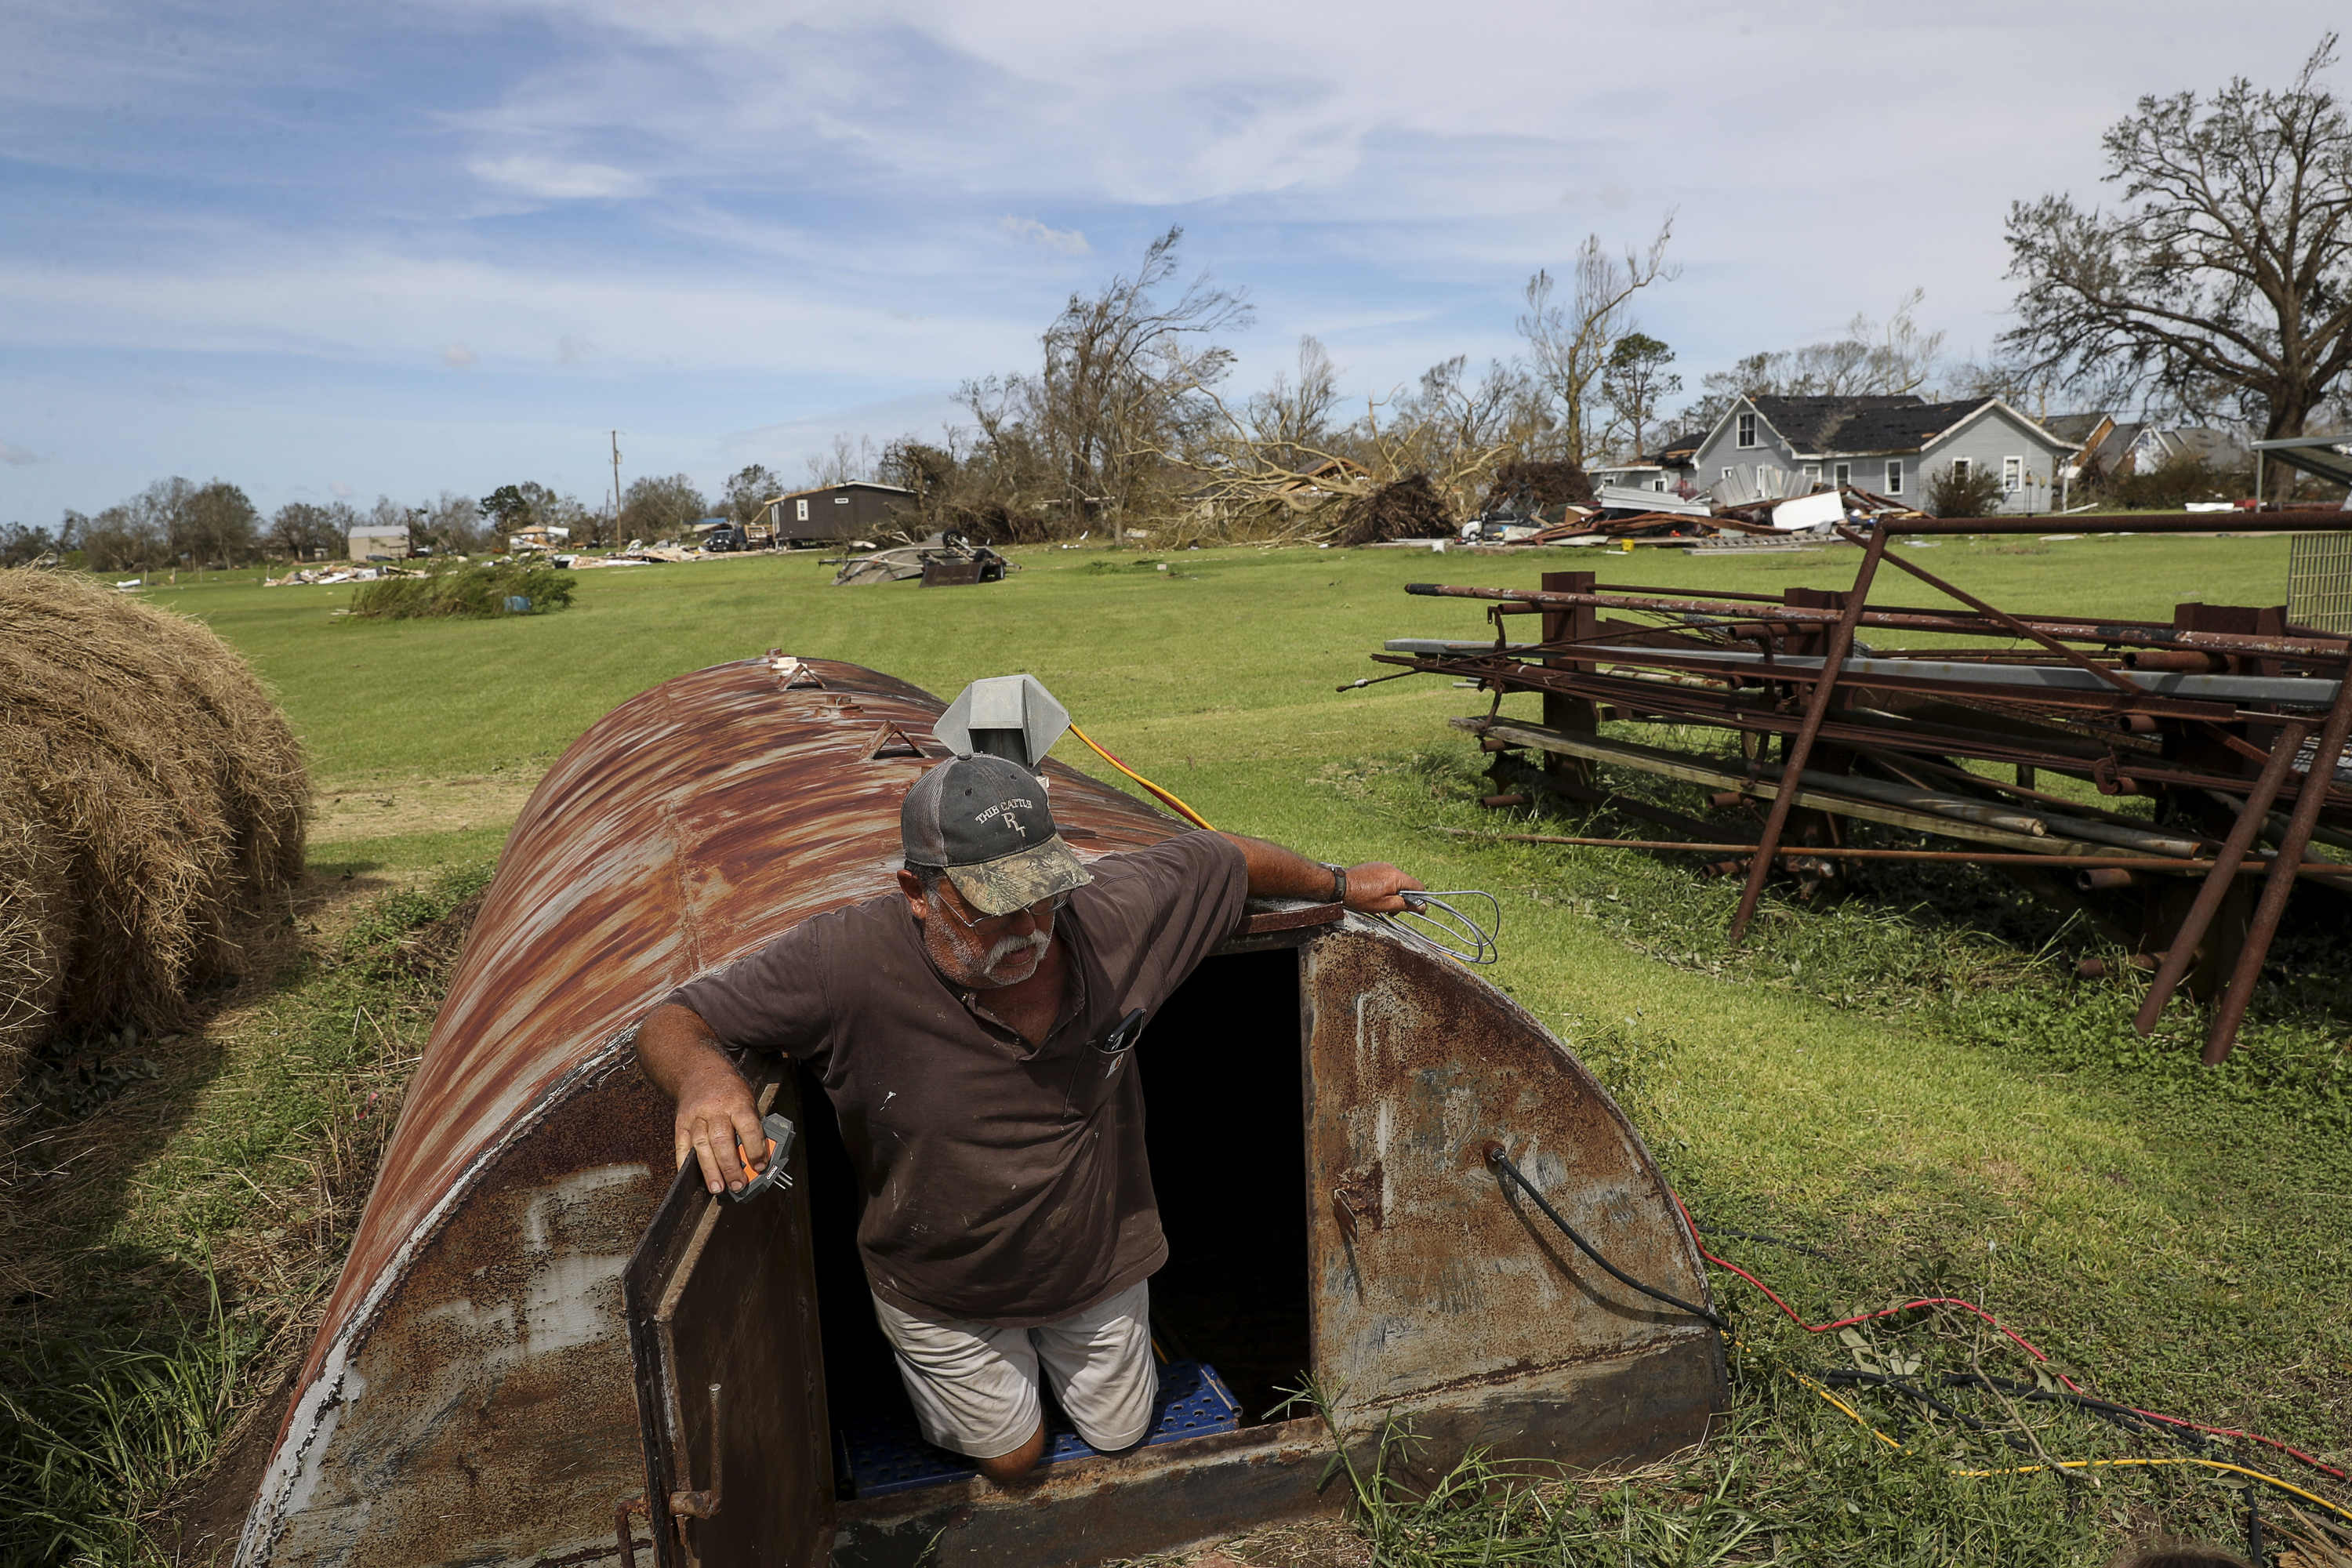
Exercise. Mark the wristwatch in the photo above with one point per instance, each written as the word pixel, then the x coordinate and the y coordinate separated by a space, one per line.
pixel 1338 881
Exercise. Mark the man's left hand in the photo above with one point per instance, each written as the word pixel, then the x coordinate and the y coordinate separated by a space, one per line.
pixel 1374 885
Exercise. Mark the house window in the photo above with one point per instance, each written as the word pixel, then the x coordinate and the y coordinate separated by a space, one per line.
pixel 1726 475
pixel 1812 476
pixel 2013 475
pixel 1748 430
pixel 1961 467
pixel 800 510
pixel 1894 477
pixel 1844 475
pixel 1657 484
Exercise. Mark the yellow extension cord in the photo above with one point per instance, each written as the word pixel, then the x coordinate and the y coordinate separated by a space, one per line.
pixel 1194 818
pixel 2078 1464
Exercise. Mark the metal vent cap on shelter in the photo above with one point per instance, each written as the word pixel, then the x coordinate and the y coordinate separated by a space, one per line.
pixel 1009 716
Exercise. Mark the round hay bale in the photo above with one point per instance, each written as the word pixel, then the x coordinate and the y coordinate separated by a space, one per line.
pixel 33 916
pixel 160 779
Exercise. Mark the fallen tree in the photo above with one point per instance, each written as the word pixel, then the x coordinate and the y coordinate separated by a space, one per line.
pixel 1406 509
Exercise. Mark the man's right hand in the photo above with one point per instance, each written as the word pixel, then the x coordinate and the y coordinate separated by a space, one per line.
pixel 716 1113
pixel 719 1121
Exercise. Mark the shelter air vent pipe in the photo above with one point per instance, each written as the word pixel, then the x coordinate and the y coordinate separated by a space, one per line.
pixel 1008 716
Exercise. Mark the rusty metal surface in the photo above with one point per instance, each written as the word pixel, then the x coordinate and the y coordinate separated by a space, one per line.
pixel 472 1341
pixel 470 1395
pixel 485 1414
pixel 1426 1275
pixel 1618 1410
pixel 729 1363
pixel 1147 1501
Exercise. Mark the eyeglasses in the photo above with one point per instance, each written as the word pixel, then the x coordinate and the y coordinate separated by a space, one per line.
pixel 1042 910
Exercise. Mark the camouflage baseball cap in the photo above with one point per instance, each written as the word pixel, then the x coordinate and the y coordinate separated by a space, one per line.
pixel 985 822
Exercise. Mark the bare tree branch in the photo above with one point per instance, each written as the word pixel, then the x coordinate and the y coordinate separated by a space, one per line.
pixel 1570 339
pixel 2223 283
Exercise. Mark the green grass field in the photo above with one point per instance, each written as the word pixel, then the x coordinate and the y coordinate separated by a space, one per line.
pixel 1910 1081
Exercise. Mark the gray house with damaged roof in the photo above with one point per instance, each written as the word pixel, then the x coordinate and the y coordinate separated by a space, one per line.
pixel 1892 446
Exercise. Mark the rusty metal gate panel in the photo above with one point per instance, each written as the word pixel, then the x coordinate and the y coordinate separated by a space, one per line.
pixel 1427 1276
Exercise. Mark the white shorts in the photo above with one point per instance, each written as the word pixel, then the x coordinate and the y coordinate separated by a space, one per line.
pixel 974 1385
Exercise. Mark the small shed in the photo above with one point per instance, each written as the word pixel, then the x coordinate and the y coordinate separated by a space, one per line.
pixel 856 509
pixel 372 542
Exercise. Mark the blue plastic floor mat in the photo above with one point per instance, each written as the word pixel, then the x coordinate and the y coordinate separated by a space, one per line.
pixel 883 1452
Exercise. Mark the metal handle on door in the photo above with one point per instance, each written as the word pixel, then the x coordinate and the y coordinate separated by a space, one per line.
pixel 704 1503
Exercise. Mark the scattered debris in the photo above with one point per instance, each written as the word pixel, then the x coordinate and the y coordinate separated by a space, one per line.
pixel 946 557
pixel 1525 488
pixel 1408 508
pixel 314 574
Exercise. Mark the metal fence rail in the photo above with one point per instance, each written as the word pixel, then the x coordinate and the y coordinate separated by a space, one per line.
pixel 2209 715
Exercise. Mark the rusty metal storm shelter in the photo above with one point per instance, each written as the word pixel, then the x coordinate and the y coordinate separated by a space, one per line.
pixel 545 1348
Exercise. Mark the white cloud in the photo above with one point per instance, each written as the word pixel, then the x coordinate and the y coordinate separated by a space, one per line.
pixel 557 180
pixel 1341 125
pixel 1068 241
pixel 17 457
pixel 370 305
pixel 784 445
pixel 804 206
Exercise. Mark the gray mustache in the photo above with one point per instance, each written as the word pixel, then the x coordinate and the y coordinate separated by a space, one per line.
pixel 1007 946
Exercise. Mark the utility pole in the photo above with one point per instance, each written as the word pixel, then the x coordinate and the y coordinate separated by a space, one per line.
pixel 617 480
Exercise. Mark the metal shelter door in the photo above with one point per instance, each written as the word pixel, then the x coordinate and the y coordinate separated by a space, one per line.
pixel 1426 1274
pixel 730 1373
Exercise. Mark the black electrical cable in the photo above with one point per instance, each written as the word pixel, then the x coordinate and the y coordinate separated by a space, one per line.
pixel 1502 1164
pixel 1846 1374
pixel 2123 1415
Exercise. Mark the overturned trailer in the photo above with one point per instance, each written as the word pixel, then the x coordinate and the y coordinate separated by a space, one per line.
pixel 547 1347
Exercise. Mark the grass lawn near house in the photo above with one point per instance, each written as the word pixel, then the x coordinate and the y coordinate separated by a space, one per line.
pixel 1909 1082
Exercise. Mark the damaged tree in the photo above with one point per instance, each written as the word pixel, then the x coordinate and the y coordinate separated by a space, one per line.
pixel 1570 338
pixel 1082 437
pixel 1407 508
pixel 1528 489
pixel 2224 284
pixel 1276 471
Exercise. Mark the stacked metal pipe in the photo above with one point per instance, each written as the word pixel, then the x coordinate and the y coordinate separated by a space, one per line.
pixel 2233 719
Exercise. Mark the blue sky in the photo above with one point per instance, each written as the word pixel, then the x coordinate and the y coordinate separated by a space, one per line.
pixel 328 251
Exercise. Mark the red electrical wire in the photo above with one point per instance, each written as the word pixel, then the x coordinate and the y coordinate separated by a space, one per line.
pixel 2023 1343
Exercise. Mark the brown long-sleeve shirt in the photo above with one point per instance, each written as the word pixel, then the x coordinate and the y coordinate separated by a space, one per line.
pixel 1003 1182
